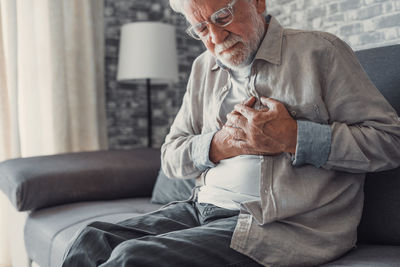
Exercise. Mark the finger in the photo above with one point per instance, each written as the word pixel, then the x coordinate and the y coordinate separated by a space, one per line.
pixel 246 111
pixel 235 133
pixel 236 120
pixel 271 103
pixel 250 101
pixel 247 102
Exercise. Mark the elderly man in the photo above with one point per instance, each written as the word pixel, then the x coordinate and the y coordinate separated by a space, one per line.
pixel 280 126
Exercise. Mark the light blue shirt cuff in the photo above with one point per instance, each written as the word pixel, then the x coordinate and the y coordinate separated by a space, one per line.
pixel 201 151
pixel 313 143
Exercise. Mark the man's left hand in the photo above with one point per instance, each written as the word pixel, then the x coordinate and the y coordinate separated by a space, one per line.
pixel 268 131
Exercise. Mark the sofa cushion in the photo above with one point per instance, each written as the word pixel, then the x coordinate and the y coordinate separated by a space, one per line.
pixel 49 231
pixel 369 256
pixel 45 181
pixel 383 68
pixel 167 189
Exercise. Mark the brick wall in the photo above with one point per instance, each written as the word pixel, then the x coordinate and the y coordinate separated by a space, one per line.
pixel 361 23
pixel 126 104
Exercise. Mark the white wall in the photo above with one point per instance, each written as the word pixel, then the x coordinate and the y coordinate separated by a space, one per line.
pixel 361 23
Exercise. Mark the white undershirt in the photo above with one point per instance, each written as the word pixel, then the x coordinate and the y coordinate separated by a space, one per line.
pixel 237 179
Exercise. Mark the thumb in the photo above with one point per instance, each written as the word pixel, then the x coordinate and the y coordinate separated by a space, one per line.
pixel 269 102
pixel 249 102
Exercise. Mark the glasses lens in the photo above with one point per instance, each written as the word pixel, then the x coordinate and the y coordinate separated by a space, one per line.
pixel 222 17
pixel 198 31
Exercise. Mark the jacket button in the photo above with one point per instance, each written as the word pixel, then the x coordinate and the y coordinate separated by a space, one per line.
pixel 265 191
pixel 293 112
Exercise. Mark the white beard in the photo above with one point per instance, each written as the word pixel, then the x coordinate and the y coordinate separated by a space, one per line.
pixel 244 55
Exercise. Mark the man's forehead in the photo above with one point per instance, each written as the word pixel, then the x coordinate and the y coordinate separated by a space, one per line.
pixel 201 8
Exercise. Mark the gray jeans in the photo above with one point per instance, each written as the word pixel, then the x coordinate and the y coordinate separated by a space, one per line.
pixel 179 234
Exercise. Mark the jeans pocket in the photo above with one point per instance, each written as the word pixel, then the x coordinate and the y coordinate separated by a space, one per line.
pixel 209 212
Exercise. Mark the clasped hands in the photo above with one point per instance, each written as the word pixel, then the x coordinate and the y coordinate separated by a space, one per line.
pixel 268 131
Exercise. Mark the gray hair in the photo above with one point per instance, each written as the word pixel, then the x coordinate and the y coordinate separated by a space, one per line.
pixel 177 6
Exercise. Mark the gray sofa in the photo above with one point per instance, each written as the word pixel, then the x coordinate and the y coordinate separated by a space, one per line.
pixel 62 193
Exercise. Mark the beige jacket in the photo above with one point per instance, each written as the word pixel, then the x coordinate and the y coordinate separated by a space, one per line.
pixel 306 215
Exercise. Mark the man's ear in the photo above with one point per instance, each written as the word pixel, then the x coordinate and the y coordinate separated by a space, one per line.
pixel 260 6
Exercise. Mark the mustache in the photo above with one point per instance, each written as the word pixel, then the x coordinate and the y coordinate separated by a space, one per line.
pixel 228 43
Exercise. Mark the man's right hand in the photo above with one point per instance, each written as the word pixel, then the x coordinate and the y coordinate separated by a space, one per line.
pixel 220 148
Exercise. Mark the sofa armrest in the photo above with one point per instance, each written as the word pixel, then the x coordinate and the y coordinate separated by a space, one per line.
pixel 44 181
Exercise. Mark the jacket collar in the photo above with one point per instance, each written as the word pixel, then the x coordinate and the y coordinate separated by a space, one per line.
pixel 271 46
pixel 218 65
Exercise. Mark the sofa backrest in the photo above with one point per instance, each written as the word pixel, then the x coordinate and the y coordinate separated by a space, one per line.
pixel 380 223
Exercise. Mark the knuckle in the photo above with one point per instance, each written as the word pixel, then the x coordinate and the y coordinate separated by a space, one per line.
pixel 239 134
pixel 226 129
pixel 235 117
pixel 229 116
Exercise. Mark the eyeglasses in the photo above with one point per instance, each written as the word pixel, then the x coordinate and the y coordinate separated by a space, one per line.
pixel 220 18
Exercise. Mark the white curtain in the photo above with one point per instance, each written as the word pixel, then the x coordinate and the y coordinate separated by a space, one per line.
pixel 51 84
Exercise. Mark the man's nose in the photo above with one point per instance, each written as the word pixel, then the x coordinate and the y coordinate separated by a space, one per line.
pixel 217 34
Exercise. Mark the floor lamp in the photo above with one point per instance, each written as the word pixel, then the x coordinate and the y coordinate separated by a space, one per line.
pixel 147 53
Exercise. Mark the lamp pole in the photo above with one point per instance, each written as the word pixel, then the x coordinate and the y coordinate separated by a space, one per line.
pixel 148 51
pixel 149 114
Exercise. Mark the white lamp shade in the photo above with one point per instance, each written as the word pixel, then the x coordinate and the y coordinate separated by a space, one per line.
pixel 148 51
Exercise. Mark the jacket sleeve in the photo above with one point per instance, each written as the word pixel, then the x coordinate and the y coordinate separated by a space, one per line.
pixel 185 152
pixel 365 129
